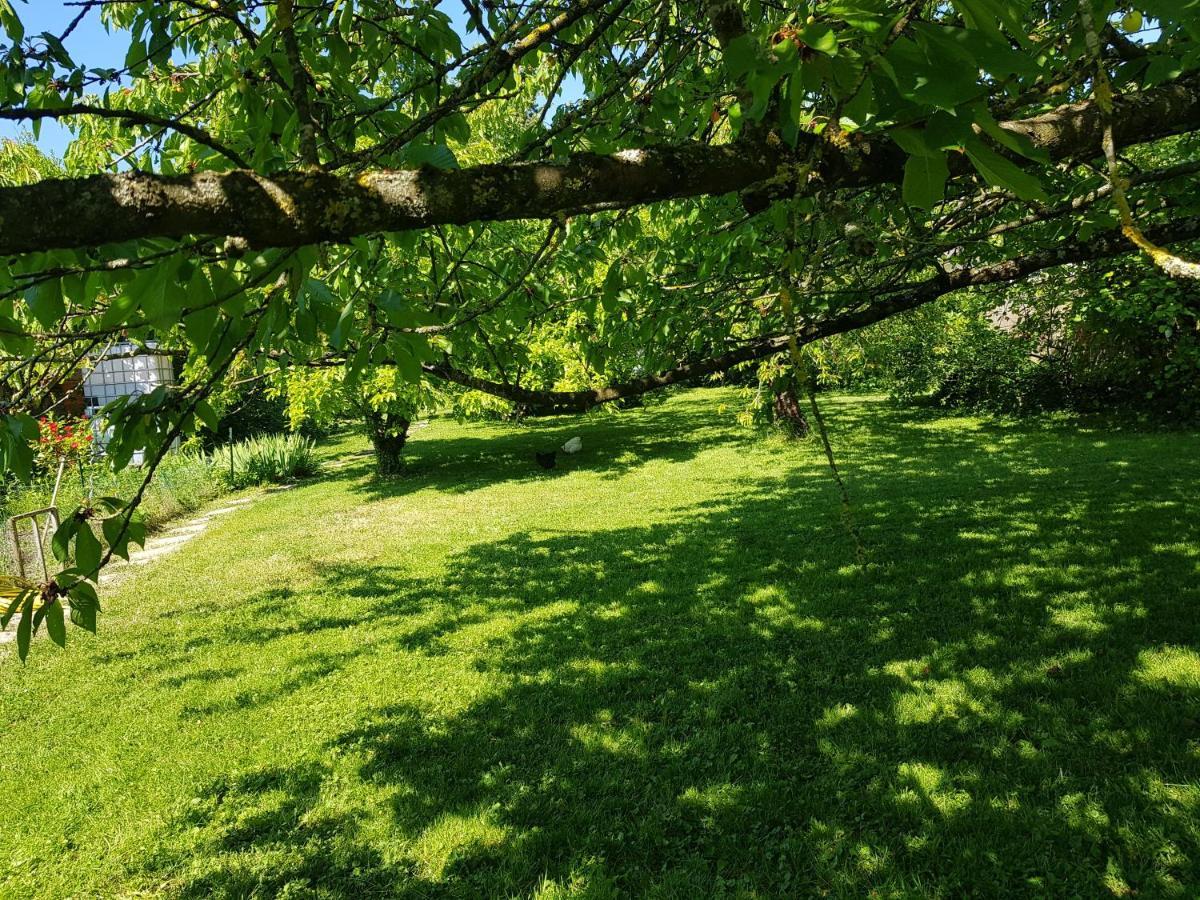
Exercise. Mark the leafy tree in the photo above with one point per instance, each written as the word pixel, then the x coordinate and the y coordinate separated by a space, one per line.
pixel 372 186
pixel 382 399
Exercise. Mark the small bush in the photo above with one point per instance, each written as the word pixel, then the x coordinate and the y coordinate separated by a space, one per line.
pixel 272 458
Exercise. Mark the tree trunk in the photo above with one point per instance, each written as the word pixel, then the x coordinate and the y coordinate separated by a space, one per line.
pixel 388 436
pixel 788 413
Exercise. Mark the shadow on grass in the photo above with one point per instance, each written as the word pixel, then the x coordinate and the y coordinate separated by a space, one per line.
pixel 614 443
pixel 1002 700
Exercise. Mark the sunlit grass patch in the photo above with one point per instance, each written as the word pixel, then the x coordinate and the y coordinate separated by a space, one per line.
pixel 1169 667
pixel 659 670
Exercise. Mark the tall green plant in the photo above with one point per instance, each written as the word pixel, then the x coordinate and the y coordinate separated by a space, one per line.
pixel 273 458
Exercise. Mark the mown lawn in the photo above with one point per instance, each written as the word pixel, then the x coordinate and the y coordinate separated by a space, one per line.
pixel 658 670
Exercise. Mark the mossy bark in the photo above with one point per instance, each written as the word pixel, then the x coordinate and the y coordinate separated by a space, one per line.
pixel 389 434
pixel 295 208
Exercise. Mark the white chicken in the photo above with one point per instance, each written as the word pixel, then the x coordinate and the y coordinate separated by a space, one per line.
pixel 574 445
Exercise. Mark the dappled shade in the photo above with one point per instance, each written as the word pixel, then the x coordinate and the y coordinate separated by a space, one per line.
pixel 659 668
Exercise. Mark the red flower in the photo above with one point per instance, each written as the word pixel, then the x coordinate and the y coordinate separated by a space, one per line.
pixel 68 440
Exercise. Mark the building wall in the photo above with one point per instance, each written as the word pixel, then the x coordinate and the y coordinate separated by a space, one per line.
pixel 68 400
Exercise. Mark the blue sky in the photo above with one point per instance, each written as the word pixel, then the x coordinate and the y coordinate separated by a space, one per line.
pixel 90 45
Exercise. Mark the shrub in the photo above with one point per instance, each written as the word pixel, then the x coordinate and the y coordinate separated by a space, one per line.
pixel 253 411
pixel 66 440
pixel 272 458
pixel 1118 335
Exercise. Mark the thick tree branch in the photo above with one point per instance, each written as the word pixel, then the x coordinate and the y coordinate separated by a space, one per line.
pixel 305 208
pixel 310 207
pixel 1112 243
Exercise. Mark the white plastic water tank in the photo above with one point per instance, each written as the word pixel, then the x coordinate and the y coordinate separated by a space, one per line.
pixel 125 369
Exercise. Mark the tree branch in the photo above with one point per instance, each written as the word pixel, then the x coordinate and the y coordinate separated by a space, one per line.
pixel 911 296
pixel 136 117
pixel 310 207
pixel 499 61
pixel 285 19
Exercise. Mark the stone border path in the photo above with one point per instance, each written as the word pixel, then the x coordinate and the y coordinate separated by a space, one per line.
pixel 160 544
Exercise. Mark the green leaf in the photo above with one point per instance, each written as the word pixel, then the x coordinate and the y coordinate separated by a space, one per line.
pixel 1003 173
pixel 38 615
pixel 153 291
pixel 87 550
pixel 58 51
pixel 112 534
pixel 948 131
pixel 989 15
pixel 56 625
pixel 1018 143
pixel 84 617
pixel 741 56
pixel 437 155
pixel 60 544
pixel 45 302
pixel 341 331
pixel 84 605
pixel 13 337
pixel 136 533
pixel 306 326
pixel 24 426
pixel 988 50
pixel 10 22
pixel 912 141
pixel 13 605
pixel 25 627
pixel 120 309
pixel 932 75
pixel 457 129
pixel 17 432
pixel 866 16
pixel 198 323
pixel 1162 69
pixel 81 591
pixel 820 37
pixel 317 300
pixel 206 414
pixel 925 180
pixel 613 282
pixel 135 57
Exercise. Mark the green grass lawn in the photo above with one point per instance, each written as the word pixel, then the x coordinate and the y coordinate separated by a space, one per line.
pixel 657 670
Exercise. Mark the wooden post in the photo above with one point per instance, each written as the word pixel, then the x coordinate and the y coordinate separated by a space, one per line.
pixel 51 514
pixel 37 542
pixel 15 542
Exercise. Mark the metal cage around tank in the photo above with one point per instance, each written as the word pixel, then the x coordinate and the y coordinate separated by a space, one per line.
pixel 125 369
